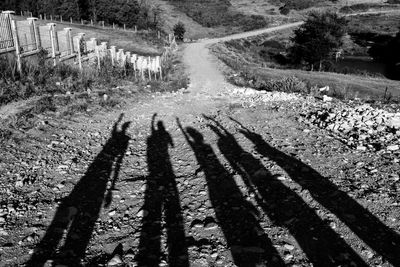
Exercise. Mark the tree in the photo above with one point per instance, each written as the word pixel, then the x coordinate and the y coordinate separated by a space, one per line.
pixel 317 38
pixel 179 31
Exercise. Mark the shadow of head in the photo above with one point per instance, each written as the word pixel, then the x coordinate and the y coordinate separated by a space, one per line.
pixel 197 137
pixel 125 126
pixel 160 126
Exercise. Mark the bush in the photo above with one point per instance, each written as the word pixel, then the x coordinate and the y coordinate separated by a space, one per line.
pixel 317 38
pixel 289 84
pixel 179 31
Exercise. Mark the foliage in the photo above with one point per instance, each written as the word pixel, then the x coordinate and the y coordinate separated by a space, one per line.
pixel 318 37
pixel 129 12
pixel 179 31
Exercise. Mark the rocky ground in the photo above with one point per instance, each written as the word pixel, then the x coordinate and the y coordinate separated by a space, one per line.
pixel 209 176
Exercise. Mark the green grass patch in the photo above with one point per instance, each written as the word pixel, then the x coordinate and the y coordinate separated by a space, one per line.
pixel 217 13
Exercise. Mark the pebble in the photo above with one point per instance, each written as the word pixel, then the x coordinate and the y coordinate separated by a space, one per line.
pixel 115 261
pixel 362 127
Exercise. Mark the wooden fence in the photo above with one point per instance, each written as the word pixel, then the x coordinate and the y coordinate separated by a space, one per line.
pixel 27 38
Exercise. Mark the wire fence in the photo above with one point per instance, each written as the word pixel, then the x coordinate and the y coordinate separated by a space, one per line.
pixel 27 38
pixel 6 37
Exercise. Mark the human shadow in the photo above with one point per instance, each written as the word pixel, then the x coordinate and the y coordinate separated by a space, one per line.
pixel 362 222
pixel 322 245
pixel 249 244
pixel 68 235
pixel 161 195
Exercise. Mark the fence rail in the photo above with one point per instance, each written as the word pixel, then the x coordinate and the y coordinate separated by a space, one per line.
pixel 27 38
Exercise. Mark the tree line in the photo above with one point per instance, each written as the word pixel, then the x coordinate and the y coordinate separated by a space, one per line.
pixel 139 13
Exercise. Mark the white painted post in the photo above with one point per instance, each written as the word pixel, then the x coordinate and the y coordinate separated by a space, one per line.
pixel 103 49
pixel 35 32
pixel 135 29
pixel 113 54
pixel 97 51
pixel 78 45
pixel 41 16
pixel 70 20
pixel 133 61
pixel 45 18
pixel 15 38
pixel 51 17
pixel 82 21
pixel 70 42
pixel 103 23
pixel 54 42
pixel 61 19
pixel 91 22
pixel 124 27
pixel 158 65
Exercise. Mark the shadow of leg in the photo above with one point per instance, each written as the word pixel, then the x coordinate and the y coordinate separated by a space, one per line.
pixel 79 211
pixel 248 243
pixel 161 195
pixel 363 223
pixel 285 208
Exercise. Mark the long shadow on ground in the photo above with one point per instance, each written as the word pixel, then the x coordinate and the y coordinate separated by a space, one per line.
pixel 363 223
pixel 249 244
pixel 75 217
pixel 161 195
pixel 285 208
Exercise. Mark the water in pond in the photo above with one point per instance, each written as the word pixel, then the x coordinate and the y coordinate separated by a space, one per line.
pixel 365 64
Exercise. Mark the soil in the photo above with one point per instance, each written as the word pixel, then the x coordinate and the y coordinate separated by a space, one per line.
pixel 214 175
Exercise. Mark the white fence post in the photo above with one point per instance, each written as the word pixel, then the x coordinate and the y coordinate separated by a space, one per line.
pixel 16 44
pixel 78 40
pixel 70 43
pixel 113 54
pixel 54 42
pixel 35 32
pixel 9 15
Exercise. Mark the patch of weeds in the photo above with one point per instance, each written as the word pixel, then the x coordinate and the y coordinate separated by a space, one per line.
pixel 108 102
pixel 79 105
pixel 5 134
pixel 342 92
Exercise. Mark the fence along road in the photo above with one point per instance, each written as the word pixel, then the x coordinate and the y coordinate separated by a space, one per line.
pixel 27 38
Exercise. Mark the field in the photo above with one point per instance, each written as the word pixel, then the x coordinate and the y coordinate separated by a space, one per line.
pixel 142 42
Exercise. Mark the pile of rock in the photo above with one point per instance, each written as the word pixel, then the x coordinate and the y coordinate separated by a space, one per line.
pixel 252 97
pixel 362 127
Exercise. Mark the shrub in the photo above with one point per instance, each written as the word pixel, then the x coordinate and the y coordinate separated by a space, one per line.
pixel 179 31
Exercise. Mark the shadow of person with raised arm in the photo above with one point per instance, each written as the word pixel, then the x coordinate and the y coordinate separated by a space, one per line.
pixel 161 195
pixel 322 245
pixel 362 222
pixel 75 217
pixel 246 239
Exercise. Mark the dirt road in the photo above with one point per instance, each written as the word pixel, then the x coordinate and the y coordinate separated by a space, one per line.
pixel 196 178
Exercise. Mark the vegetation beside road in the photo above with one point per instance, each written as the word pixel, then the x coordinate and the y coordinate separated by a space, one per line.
pixel 254 74
pixel 64 91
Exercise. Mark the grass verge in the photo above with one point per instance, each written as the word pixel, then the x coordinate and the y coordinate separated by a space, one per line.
pixel 341 85
pixel 65 92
